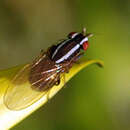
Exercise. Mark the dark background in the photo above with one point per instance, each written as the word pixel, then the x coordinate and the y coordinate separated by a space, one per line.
pixel 95 99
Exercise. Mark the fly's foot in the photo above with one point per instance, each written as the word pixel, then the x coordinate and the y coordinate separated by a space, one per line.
pixel 57 82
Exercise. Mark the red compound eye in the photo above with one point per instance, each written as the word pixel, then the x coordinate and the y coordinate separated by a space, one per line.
pixel 72 35
pixel 85 45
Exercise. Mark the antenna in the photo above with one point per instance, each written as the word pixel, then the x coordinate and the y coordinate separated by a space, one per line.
pixel 84 31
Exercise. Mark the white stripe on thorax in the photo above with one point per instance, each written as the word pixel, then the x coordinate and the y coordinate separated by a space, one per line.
pixel 84 40
pixel 74 35
pixel 68 54
pixel 59 47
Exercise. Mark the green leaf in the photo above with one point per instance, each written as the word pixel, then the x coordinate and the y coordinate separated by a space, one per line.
pixel 9 118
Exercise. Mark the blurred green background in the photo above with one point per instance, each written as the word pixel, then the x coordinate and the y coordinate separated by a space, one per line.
pixel 95 99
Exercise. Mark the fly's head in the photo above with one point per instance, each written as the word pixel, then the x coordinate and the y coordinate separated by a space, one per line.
pixel 68 49
pixel 81 38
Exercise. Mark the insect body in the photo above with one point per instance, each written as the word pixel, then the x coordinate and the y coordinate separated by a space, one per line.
pixel 45 71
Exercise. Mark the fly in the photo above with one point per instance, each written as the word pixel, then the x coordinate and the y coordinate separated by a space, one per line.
pixel 35 79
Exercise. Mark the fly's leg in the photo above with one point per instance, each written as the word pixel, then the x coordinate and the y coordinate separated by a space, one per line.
pixel 77 57
pixel 68 63
pixel 57 82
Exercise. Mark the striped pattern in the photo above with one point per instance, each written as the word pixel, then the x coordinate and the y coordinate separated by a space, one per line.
pixel 58 48
pixel 65 57
pixel 74 35
pixel 67 48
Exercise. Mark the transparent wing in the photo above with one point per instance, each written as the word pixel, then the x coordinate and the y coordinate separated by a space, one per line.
pixel 20 94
